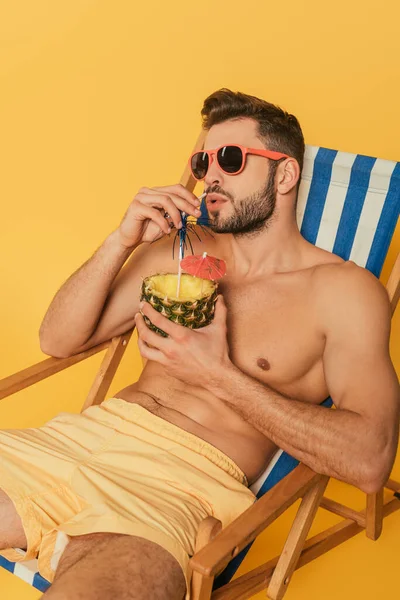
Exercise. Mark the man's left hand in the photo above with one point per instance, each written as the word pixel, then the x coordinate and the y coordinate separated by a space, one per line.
pixel 194 356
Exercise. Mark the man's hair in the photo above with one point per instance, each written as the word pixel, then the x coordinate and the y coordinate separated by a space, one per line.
pixel 278 130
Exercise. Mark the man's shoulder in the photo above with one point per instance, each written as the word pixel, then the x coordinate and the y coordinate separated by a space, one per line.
pixel 347 294
pixel 346 278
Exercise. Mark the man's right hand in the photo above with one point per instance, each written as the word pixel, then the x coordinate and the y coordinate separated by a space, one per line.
pixel 144 221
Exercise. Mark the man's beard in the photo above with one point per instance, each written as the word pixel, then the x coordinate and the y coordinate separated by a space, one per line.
pixel 251 215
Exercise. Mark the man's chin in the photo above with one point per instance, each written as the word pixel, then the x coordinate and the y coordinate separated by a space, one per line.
pixel 219 227
pixel 218 223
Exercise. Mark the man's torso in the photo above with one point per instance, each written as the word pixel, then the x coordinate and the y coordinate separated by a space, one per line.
pixel 275 337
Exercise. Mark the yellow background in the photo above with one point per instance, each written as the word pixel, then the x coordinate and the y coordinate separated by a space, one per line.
pixel 92 90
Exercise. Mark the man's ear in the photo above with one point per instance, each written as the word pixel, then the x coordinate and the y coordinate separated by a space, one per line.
pixel 287 175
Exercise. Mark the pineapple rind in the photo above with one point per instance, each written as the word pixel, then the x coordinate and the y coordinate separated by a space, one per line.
pixel 193 311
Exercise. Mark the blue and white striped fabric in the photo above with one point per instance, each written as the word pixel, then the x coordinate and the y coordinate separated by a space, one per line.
pixel 28 571
pixel 348 204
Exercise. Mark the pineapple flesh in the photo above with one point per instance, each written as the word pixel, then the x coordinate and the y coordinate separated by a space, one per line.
pixel 194 308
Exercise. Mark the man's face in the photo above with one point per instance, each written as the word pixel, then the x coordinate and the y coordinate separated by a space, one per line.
pixel 248 199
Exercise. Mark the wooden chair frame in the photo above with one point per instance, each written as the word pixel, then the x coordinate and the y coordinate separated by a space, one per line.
pixel 215 548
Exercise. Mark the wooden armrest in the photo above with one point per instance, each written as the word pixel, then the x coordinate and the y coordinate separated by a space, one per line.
pixel 393 285
pixel 211 559
pixel 23 379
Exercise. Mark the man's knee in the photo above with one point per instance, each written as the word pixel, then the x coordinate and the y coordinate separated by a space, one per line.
pixel 12 533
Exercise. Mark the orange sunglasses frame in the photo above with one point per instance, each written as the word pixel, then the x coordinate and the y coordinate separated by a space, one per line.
pixel 245 151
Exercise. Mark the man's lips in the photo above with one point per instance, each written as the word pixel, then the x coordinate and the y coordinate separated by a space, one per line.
pixel 215 200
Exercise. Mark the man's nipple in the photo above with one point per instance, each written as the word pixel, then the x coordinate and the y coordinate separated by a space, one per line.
pixel 263 364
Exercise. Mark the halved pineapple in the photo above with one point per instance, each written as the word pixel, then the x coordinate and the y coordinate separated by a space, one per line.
pixel 193 308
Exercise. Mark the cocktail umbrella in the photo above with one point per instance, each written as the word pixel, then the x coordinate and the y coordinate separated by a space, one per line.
pixel 205 267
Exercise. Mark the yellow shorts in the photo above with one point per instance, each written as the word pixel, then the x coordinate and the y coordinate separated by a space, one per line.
pixel 115 468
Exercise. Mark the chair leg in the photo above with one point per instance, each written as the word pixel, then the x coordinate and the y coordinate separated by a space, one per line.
pixel 295 541
pixel 201 585
pixel 374 515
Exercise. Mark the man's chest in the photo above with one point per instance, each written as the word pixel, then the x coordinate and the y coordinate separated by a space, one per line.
pixel 274 337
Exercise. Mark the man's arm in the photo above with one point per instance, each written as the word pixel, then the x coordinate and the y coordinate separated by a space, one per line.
pixel 357 442
pixel 99 301
pixel 74 312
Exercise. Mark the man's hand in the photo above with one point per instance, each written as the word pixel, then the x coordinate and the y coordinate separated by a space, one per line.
pixel 145 219
pixel 194 356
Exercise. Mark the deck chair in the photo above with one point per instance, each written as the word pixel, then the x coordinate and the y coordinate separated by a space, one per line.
pixel 348 204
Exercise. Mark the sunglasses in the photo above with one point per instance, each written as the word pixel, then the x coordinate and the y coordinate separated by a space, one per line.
pixel 231 159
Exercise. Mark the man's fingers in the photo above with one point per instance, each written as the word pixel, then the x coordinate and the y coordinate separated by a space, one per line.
pixel 220 309
pixel 178 332
pixel 160 203
pixel 150 353
pixel 154 215
pixel 186 206
pixel 147 335
pixel 171 202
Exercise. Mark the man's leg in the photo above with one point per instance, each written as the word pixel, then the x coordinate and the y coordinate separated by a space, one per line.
pixel 12 534
pixel 105 566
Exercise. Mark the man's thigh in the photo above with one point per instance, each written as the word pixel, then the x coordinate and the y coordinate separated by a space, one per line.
pixel 12 533
pixel 107 566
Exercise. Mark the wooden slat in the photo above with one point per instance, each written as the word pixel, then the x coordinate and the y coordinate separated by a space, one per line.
pixel 187 178
pixel 107 370
pixel 325 541
pixel 343 511
pixel 202 585
pixel 295 542
pixel 39 371
pixel 374 515
pixel 393 485
pixel 393 285
pixel 216 555
pixel 258 579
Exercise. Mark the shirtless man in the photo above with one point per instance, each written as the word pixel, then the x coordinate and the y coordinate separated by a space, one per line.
pixel 293 325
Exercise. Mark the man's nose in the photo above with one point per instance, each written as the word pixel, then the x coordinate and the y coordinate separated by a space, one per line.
pixel 214 174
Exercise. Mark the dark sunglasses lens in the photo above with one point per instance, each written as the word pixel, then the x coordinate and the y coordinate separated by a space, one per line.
pixel 230 159
pixel 199 164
